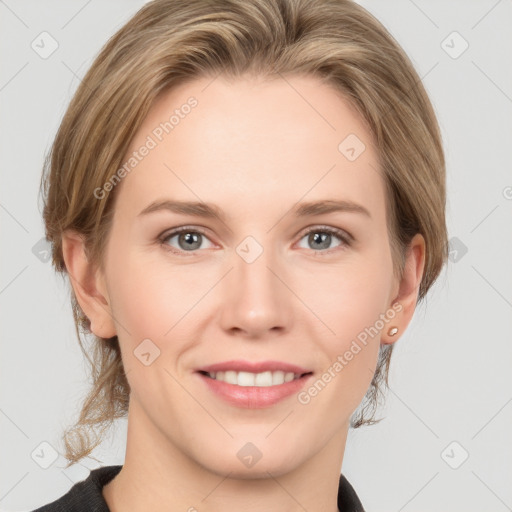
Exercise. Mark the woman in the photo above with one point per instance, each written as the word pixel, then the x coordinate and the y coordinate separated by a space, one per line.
pixel 248 198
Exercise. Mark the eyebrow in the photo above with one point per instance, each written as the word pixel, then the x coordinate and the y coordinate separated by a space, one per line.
pixel 209 210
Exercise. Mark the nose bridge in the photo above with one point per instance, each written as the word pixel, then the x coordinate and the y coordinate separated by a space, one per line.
pixel 256 300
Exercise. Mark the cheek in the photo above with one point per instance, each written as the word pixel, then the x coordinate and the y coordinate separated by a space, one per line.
pixel 350 305
pixel 158 299
pixel 151 303
pixel 147 299
pixel 347 297
pixel 349 301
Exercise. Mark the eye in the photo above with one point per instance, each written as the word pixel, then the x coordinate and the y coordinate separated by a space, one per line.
pixel 190 240
pixel 187 239
pixel 321 237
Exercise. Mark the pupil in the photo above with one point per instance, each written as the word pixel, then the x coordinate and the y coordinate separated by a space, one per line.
pixel 322 238
pixel 190 239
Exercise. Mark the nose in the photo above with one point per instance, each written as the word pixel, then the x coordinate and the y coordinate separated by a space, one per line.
pixel 256 301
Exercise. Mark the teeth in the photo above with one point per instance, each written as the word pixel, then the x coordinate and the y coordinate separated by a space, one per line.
pixel 263 379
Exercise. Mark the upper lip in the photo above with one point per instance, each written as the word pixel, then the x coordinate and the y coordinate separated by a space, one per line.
pixel 254 367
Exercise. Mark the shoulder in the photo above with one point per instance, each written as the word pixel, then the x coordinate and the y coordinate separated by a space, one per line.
pixel 85 496
pixel 348 500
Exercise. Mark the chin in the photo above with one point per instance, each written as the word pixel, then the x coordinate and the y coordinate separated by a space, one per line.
pixel 245 461
pixel 259 471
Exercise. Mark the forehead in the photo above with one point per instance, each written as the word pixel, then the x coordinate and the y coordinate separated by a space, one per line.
pixel 253 142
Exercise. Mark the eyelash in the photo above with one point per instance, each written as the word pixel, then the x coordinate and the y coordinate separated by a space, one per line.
pixel 345 238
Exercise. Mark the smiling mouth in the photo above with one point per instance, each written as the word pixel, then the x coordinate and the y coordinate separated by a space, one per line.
pixel 247 379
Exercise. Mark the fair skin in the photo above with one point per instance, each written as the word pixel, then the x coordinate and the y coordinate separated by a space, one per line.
pixel 254 148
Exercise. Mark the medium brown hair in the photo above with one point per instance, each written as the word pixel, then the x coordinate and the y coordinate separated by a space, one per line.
pixel 169 42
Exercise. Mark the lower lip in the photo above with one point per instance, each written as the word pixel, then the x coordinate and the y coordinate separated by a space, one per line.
pixel 254 397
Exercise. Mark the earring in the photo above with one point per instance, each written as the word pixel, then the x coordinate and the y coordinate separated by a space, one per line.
pixel 392 331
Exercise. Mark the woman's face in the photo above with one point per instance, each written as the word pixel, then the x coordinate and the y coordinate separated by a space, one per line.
pixel 249 284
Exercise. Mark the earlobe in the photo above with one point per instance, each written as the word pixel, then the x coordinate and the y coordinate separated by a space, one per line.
pixel 88 284
pixel 408 290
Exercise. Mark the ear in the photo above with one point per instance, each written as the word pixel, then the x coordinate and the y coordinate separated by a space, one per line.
pixel 88 284
pixel 408 288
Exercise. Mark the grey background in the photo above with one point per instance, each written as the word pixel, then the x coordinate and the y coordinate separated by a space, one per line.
pixel 450 377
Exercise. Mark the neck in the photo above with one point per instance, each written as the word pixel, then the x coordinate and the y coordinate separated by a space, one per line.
pixel 157 475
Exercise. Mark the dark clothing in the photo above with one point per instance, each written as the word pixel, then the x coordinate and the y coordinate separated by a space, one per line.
pixel 85 496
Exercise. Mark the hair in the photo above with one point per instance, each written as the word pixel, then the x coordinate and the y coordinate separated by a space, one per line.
pixel 170 42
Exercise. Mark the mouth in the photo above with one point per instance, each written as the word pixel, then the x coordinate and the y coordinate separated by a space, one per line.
pixel 253 385
pixel 262 379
